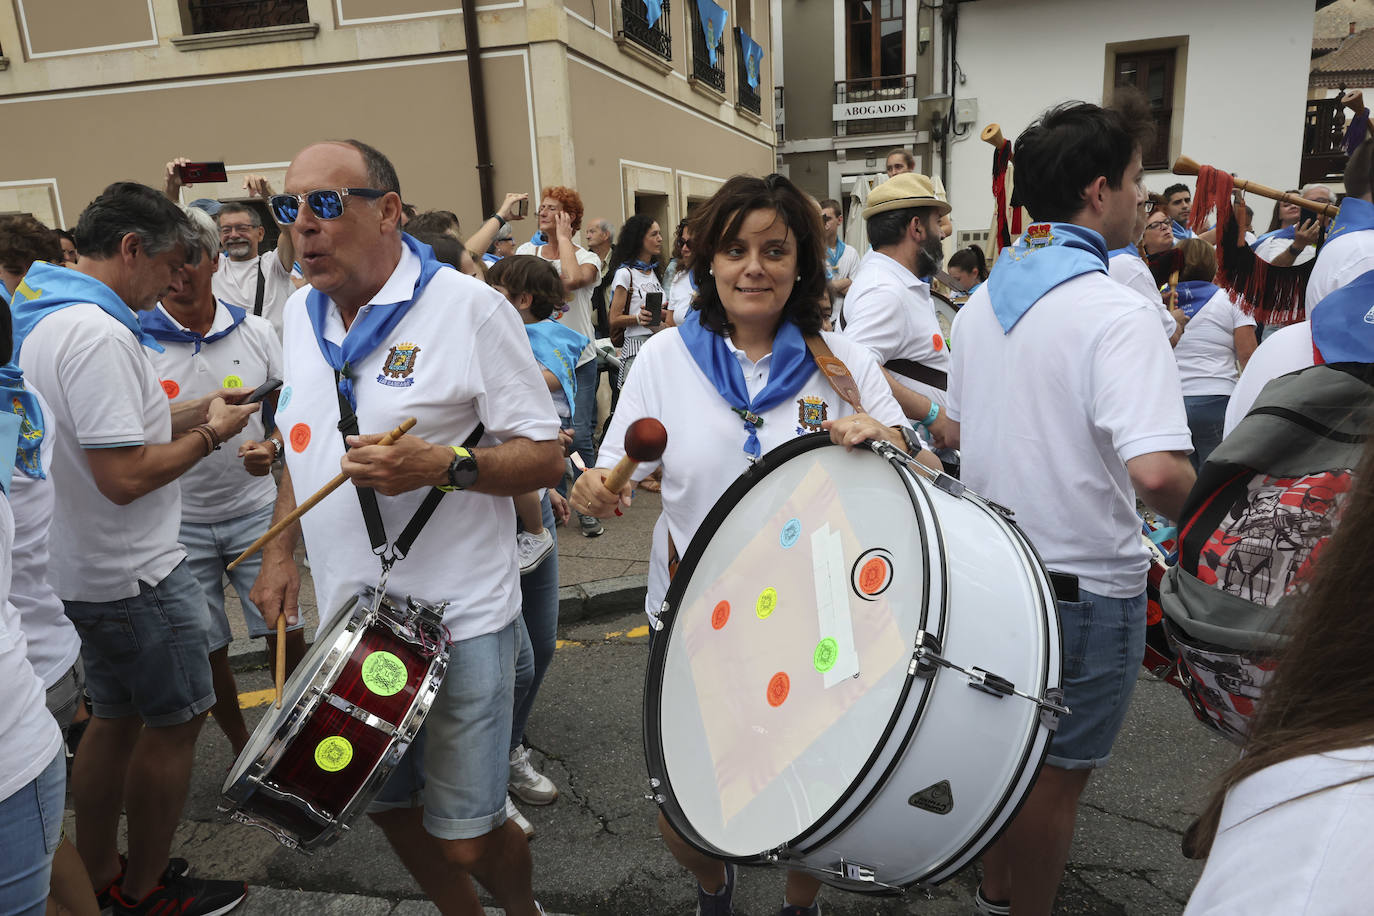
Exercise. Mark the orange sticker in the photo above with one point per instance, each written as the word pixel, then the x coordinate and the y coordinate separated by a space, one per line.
pixel 171 387
pixel 721 615
pixel 874 575
pixel 778 688
pixel 939 342
pixel 300 437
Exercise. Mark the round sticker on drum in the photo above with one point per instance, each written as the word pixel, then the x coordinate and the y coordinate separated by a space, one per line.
pixel 300 437
pixel 384 674
pixel 872 573
pixel 333 753
pixel 790 532
pixel 827 650
pixel 767 603
pixel 778 687
pixel 721 615
pixel 171 387
pixel 283 398
pixel 233 381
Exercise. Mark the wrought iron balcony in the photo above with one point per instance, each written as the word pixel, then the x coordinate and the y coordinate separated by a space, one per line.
pixel 748 96
pixel 702 70
pixel 228 15
pixel 859 105
pixel 1323 158
pixel 779 113
pixel 634 22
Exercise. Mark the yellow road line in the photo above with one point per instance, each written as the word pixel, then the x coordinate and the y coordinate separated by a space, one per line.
pixel 251 698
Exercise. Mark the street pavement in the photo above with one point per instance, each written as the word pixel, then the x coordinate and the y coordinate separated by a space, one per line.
pixel 597 849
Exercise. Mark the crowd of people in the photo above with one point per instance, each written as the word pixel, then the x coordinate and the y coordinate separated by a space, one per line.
pixel 173 389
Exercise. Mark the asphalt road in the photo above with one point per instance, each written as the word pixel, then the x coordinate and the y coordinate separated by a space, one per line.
pixel 597 850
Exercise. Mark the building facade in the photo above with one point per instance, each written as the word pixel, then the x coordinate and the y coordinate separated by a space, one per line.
pixel 585 93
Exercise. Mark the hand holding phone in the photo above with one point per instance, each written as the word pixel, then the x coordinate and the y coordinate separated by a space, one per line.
pixel 201 172
pixel 263 391
pixel 653 302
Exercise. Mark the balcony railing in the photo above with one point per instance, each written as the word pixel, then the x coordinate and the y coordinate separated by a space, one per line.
pixel 702 69
pixel 229 15
pixel 779 113
pixel 634 21
pixel 898 90
pixel 1323 159
pixel 748 96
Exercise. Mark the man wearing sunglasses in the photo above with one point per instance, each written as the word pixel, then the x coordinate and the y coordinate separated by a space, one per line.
pixel 385 332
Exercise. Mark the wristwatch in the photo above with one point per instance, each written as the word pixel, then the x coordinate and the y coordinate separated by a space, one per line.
pixel 1296 250
pixel 278 450
pixel 462 470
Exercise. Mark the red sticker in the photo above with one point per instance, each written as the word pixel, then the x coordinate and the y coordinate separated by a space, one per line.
pixel 721 615
pixel 300 437
pixel 778 688
pixel 938 341
pixel 873 576
pixel 171 387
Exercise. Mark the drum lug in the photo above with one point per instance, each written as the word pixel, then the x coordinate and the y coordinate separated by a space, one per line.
pixel 1052 707
pixel 989 683
pixel 926 658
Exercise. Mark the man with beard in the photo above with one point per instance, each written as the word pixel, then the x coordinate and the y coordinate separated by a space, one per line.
pixel 889 309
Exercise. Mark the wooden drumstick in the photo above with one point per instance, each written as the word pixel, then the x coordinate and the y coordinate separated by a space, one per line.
pixel 645 440
pixel 281 654
pixel 1185 166
pixel 310 503
pixel 993 134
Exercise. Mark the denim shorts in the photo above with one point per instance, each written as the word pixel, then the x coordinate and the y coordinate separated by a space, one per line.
pixel 210 548
pixel 64 696
pixel 459 764
pixel 1104 640
pixel 148 655
pixel 30 829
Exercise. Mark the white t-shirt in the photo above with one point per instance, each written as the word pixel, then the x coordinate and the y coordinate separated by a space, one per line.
pixel 459 356
pixel 29 736
pixel 1272 248
pixel 53 641
pixel 889 311
pixel 844 269
pixel 1206 353
pixel 578 315
pixel 1286 350
pixel 218 488
pixel 236 282
pixel 1050 413
pixel 680 295
pixel 1277 851
pixel 706 438
pixel 104 393
pixel 1130 270
pixel 1340 260
pixel 640 284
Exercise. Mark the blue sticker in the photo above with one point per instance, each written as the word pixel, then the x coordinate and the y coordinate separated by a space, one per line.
pixel 790 532
pixel 284 398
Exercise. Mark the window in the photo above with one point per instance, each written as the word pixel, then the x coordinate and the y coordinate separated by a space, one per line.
pixel 634 18
pixel 1152 72
pixel 876 32
pixel 703 70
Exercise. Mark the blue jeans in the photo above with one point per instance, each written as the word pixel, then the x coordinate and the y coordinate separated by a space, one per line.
pixel 30 829
pixel 584 412
pixel 1206 420
pixel 539 609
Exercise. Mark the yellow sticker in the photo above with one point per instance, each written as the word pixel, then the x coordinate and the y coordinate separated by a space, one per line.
pixel 384 674
pixel 767 603
pixel 333 753
pixel 233 381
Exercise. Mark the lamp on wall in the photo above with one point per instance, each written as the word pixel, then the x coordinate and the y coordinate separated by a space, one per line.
pixel 937 104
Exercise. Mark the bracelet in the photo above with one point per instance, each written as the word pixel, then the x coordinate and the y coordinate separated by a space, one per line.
pixel 931 417
pixel 499 218
pixel 1296 250
pixel 205 437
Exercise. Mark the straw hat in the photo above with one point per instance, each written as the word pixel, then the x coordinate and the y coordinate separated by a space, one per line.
pixel 902 192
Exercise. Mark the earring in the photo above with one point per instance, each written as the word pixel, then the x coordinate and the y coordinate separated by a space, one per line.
pixel 711 271
pixel 798 278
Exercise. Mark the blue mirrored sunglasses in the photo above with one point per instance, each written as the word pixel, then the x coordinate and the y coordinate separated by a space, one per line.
pixel 325 204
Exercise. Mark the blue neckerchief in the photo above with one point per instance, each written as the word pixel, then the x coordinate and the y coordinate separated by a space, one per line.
pixel 792 366
pixel 1355 214
pixel 971 289
pixel 637 265
pixel 5 293
pixel 557 347
pixel 10 426
pixel 1343 323
pixel 692 279
pixel 21 402
pixel 538 240
pixel 1180 231
pixel 1128 251
pixel 834 254
pixel 1287 232
pixel 46 289
pixel 490 258
pixel 1194 294
pixel 157 323
pixel 1046 255
pixel 370 329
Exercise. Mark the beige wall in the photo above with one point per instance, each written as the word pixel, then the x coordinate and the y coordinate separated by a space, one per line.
pixel 75 25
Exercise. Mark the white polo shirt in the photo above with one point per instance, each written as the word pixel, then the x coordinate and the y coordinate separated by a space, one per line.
pixel 1050 413
pixel 1340 260
pixel 236 282
pixel 579 313
pixel 218 488
pixel 680 295
pixel 463 357
pixel 1206 353
pixel 889 311
pixel 1131 270
pixel 1272 248
pixel 706 438
pixel 104 393
pixel 844 269
pixel 53 642
pixel 1288 349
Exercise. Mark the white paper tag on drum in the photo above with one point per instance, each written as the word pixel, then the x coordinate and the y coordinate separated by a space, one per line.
pixel 832 604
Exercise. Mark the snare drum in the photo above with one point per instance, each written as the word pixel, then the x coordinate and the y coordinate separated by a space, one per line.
pixel 858 672
pixel 945 311
pixel 349 712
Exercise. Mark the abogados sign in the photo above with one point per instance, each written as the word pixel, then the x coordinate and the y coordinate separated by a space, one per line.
pixel 878 108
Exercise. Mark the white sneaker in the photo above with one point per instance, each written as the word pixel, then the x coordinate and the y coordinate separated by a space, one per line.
pixel 513 814
pixel 527 783
pixel 533 549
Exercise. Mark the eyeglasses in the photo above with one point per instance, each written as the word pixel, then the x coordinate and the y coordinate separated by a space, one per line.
pixel 1157 225
pixel 549 208
pixel 325 204
pixel 243 228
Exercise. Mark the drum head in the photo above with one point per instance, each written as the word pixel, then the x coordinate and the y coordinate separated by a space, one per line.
pixel 783 661
pixel 945 310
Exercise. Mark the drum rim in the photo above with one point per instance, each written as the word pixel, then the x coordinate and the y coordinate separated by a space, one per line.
pixel 651 731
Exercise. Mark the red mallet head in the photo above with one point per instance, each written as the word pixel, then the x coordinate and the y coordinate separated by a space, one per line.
pixel 645 440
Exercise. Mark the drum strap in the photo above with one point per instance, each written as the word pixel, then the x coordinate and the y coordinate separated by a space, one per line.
pixel 835 370
pixel 918 372
pixel 367 497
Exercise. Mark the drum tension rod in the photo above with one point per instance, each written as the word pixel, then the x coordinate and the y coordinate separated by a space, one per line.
pixel 926 658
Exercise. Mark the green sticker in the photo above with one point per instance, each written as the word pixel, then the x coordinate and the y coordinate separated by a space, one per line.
pixel 384 674
pixel 767 603
pixel 333 754
pixel 827 650
pixel 233 381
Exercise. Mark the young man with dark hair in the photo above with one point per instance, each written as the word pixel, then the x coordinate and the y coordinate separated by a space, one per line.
pixel 899 160
pixel 1067 404
pixel 1178 204
pixel 841 260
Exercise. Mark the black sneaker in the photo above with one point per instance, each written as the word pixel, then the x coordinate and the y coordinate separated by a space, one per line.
pixel 719 903
pixel 184 897
pixel 590 526
pixel 176 867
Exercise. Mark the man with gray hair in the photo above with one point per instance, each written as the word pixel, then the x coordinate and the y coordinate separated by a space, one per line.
pixel 115 559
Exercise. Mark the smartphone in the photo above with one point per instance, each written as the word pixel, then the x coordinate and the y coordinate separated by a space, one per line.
pixel 202 172
pixel 522 208
pixel 654 303
pixel 263 391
